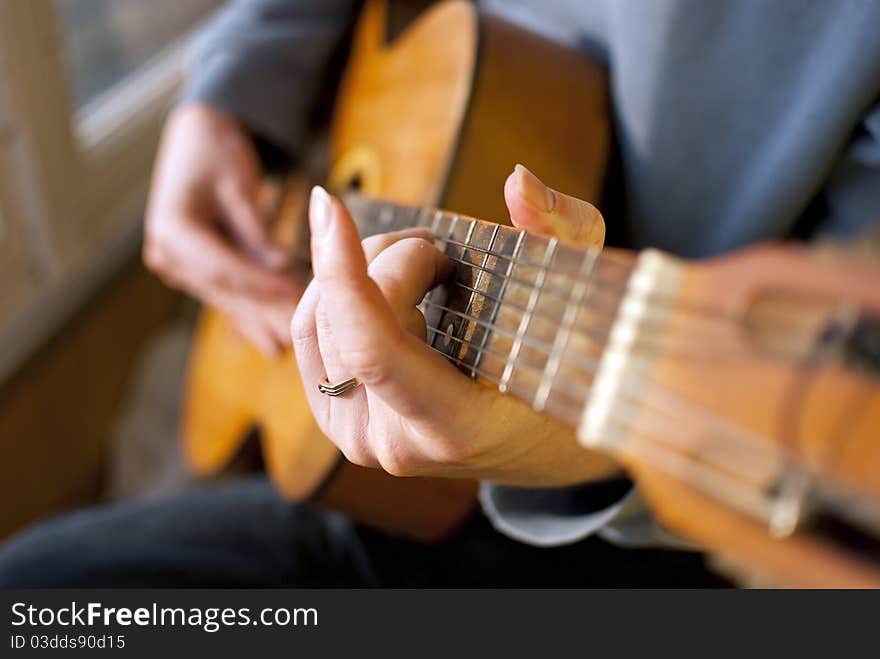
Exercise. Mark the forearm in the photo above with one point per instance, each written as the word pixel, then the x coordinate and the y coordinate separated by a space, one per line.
pixel 268 62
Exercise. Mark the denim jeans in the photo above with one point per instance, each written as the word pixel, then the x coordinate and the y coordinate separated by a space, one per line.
pixel 243 534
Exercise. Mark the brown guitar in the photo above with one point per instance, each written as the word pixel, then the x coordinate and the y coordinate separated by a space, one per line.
pixel 438 116
pixel 742 393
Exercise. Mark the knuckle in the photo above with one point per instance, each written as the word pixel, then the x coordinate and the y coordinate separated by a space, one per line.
pixel 153 255
pixel 302 327
pixel 356 454
pixel 585 221
pixel 367 364
pixel 392 460
pixel 372 245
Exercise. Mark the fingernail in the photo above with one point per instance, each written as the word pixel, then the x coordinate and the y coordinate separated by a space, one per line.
pixel 533 191
pixel 320 209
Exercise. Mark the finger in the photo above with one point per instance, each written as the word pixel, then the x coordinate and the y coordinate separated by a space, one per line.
pixel 304 336
pixel 372 345
pixel 375 245
pixel 406 270
pixel 411 319
pixel 539 209
pixel 248 226
pixel 316 362
pixel 212 264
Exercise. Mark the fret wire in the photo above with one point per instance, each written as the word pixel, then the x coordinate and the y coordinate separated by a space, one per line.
pixel 568 409
pixel 606 287
pixel 686 462
pixel 528 264
pixel 618 286
pixel 683 306
pixel 599 283
pixel 611 286
pixel 541 346
pixel 684 457
pixel 577 393
pixel 590 333
pixel 546 347
pixel 489 351
pixel 479 279
pixel 599 332
pixel 517 249
pixel 560 343
pixel 526 319
pixel 468 239
pixel 437 217
pixel 727 429
pixel 453 222
pixel 424 215
pixel 492 378
pixel 670 400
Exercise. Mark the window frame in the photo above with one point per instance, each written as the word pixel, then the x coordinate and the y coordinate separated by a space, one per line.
pixel 63 171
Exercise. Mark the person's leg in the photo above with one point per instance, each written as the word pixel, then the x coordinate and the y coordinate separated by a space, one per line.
pixel 244 534
pixel 480 556
pixel 241 534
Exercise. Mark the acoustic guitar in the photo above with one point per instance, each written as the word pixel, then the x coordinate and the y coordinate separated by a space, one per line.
pixel 436 114
pixel 742 393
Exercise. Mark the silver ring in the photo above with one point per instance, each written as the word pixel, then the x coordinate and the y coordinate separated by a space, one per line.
pixel 338 389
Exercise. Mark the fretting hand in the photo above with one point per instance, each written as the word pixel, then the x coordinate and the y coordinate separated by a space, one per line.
pixel 415 414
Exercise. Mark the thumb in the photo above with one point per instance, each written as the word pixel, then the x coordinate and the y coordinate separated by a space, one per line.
pixel 539 209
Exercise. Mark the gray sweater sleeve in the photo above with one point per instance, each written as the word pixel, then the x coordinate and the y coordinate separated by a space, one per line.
pixel 266 62
pixel 851 195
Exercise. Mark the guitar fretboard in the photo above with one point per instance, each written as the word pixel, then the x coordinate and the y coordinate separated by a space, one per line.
pixel 521 311
pixel 571 332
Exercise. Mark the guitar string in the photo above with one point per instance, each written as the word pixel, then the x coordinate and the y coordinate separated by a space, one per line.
pixel 671 423
pixel 420 217
pixel 618 287
pixel 681 307
pixel 738 485
pixel 424 215
pixel 600 331
pixel 538 344
pixel 670 400
pixel 684 412
pixel 611 285
pixel 595 337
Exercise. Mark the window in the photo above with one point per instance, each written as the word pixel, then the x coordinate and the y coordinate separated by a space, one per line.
pixel 84 87
pixel 106 41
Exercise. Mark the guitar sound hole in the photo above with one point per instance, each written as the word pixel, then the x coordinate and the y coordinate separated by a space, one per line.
pixel 355 183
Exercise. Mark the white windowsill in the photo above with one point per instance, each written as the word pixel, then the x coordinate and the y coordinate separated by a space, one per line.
pixel 106 130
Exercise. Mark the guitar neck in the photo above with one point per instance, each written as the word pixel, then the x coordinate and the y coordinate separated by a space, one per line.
pixel 521 312
pixel 586 336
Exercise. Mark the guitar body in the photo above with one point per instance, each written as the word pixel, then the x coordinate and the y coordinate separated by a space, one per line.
pixel 437 117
